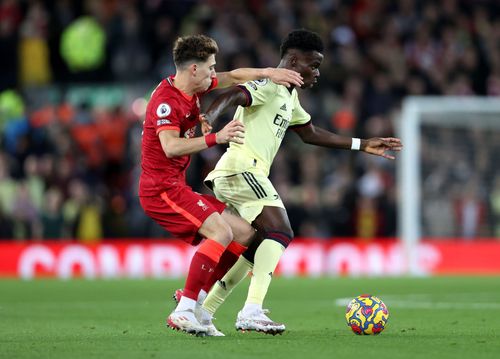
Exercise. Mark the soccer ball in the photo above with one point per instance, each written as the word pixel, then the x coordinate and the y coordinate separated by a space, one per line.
pixel 366 314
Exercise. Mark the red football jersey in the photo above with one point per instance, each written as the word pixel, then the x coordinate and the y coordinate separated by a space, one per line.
pixel 168 109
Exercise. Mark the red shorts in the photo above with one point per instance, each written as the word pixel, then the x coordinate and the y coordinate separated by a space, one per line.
pixel 182 211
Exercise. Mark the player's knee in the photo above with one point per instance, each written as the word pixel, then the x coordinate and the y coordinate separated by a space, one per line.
pixel 224 234
pixel 218 229
pixel 283 236
pixel 246 234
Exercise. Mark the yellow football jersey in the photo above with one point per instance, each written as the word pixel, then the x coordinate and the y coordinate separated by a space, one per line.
pixel 271 109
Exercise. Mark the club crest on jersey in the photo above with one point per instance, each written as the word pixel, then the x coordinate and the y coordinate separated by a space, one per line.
pixel 202 205
pixel 163 110
pixel 261 82
pixel 190 132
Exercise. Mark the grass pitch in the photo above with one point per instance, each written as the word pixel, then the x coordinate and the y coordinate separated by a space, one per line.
pixel 453 317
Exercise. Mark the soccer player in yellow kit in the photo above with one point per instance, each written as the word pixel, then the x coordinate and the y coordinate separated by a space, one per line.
pixel 240 178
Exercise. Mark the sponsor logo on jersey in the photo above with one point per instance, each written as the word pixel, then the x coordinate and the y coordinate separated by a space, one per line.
pixel 283 107
pixel 163 122
pixel 163 110
pixel 261 82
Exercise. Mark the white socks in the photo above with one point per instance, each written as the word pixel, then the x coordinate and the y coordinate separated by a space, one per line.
pixel 185 304
pixel 250 308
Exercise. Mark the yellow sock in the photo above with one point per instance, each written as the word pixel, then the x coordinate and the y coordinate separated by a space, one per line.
pixel 221 290
pixel 266 259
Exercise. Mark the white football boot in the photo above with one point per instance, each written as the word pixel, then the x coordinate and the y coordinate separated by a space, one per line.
pixel 185 320
pixel 206 318
pixel 212 331
pixel 258 321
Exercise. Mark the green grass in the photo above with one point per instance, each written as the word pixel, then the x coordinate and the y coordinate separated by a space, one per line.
pixel 455 317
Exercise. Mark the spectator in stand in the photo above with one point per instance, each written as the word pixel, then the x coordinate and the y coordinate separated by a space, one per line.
pixel 51 217
pixel 377 52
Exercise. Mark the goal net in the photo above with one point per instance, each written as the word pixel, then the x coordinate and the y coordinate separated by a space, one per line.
pixel 448 171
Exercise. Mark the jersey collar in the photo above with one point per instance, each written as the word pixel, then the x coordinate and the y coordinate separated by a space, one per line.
pixel 170 80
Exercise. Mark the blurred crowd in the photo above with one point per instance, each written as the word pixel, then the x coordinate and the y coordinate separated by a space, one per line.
pixel 69 165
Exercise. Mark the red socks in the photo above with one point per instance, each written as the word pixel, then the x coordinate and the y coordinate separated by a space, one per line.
pixel 202 267
pixel 226 261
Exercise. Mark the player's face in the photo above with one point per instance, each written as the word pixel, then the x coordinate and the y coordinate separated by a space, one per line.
pixel 307 64
pixel 205 73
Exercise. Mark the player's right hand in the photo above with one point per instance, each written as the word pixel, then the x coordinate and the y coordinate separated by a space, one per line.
pixel 234 131
pixel 285 77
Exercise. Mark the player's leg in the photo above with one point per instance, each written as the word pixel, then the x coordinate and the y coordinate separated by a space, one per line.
pixel 243 234
pixel 249 194
pixel 188 215
pixel 278 234
pixel 218 235
pixel 235 192
pixel 225 285
pixel 203 265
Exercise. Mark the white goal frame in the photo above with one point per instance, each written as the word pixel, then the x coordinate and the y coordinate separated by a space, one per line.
pixel 416 110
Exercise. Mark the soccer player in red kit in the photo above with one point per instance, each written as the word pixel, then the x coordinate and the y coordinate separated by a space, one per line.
pixel 168 141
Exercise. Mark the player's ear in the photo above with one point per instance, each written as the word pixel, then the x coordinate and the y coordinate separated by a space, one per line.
pixel 193 68
pixel 292 58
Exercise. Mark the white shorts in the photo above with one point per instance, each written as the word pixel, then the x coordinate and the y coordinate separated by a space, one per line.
pixel 247 193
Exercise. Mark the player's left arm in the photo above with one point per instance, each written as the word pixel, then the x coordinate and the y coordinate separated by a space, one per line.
pixel 232 98
pixel 279 76
pixel 321 137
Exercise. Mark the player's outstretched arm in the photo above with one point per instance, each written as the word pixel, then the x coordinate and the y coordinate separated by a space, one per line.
pixel 280 76
pixel 375 146
pixel 175 146
pixel 231 98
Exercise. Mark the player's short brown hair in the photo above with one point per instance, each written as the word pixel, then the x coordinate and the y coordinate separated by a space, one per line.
pixel 193 48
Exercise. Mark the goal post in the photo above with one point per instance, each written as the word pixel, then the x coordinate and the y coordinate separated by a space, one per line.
pixel 478 113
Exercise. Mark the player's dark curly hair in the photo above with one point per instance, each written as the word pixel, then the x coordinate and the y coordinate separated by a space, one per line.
pixel 303 40
pixel 193 48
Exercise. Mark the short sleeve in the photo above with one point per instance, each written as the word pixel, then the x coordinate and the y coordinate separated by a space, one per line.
pixel 164 115
pixel 299 116
pixel 258 92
